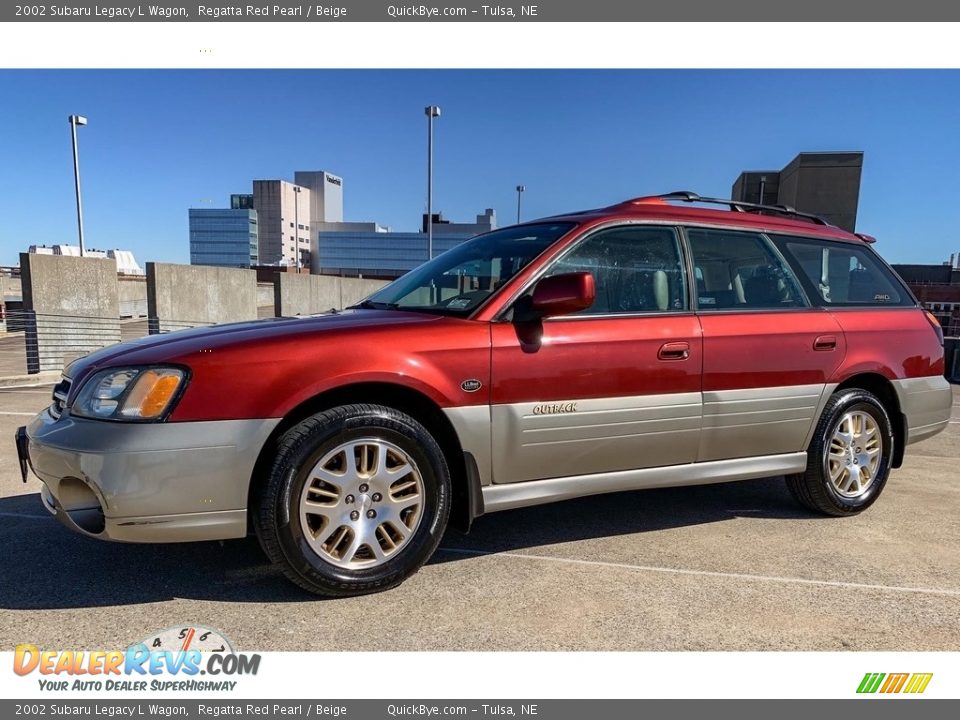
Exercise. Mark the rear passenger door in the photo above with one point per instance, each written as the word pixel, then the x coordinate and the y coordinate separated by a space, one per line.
pixel 767 353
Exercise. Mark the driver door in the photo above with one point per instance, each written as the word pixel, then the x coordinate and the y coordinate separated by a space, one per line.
pixel 614 387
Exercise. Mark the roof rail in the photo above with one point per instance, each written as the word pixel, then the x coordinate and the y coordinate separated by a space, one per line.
pixel 735 205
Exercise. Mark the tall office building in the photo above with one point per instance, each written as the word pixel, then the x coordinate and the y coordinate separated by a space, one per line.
pixel 372 250
pixel 326 194
pixel 821 183
pixel 241 201
pixel 224 236
pixel 283 216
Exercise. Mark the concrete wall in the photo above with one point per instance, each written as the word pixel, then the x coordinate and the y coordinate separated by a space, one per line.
pixel 183 296
pixel 302 294
pixel 71 307
pixel 264 294
pixel 133 296
pixel 11 287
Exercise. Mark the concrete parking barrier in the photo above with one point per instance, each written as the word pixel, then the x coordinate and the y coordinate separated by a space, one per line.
pixel 303 294
pixel 185 296
pixel 70 308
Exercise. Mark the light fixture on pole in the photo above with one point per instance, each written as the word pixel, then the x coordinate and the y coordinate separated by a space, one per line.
pixel 75 120
pixel 520 189
pixel 763 183
pixel 431 111
pixel 296 224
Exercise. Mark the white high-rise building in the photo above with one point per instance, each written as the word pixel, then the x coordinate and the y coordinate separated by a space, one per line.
pixel 283 222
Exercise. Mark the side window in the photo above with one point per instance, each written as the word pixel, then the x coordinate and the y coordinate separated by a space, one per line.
pixel 739 271
pixel 636 268
pixel 841 274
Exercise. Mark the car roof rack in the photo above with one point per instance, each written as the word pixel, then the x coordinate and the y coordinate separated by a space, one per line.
pixel 735 205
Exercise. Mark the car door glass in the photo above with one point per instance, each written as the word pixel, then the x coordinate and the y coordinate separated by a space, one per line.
pixel 739 271
pixel 843 273
pixel 636 269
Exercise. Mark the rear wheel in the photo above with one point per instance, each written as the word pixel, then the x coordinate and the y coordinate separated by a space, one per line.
pixel 848 460
pixel 357 500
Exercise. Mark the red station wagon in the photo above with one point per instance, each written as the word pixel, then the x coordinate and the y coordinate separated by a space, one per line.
pixel 653 343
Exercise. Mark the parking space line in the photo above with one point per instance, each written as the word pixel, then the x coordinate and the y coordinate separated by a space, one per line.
pixel 710 573
pixel 28 516
pixel 21 414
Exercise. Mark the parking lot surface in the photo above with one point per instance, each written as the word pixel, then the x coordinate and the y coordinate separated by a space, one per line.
pixel 723 567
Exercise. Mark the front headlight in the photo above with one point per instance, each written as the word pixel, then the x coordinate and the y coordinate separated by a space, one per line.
pixel 129 393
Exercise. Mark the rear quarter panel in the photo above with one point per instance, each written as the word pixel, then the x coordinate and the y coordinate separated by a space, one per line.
pixel 897 343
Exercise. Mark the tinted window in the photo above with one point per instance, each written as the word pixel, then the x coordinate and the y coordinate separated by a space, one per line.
pixel 636 268
pixel 740 271
pixel 843 274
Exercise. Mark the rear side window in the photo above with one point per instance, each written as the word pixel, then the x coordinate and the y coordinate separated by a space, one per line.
pixel 842 274
pixel 737 270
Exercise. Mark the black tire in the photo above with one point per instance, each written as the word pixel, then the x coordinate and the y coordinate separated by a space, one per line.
pixel 813 488
pixel 276 516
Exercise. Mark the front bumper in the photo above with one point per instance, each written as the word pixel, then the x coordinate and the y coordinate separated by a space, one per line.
pixel 146 482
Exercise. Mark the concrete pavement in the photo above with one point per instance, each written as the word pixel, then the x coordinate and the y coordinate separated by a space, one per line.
pixel 721 567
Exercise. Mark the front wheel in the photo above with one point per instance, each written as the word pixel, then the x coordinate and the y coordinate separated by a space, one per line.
pixel 848 460
pixel 357 500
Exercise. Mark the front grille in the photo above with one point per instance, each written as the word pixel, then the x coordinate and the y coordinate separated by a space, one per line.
pixel 60 393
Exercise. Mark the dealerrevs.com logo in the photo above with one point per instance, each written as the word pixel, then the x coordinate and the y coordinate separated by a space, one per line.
pixel 910 683
pixel 170 659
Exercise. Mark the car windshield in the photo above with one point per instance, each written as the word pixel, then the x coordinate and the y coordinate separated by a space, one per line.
pixel 459 280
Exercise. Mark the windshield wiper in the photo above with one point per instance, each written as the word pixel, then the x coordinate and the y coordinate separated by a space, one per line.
pixel 373 305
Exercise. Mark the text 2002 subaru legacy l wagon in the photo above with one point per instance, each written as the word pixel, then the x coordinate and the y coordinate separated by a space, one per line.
pixel 649 344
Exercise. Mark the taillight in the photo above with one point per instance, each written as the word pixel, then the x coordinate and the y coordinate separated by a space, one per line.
pixel 935 324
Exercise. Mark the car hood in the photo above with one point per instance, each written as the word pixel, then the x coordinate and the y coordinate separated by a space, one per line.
pixel 169 346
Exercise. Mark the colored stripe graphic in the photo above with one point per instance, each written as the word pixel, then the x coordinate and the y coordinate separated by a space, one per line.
pixel 894 683
pixel 918 683
pixel 870 682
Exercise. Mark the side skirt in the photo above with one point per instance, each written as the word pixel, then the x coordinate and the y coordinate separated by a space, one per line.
pixel 538 492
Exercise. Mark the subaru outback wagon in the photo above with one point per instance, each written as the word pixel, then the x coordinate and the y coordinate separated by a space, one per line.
pixel 664 341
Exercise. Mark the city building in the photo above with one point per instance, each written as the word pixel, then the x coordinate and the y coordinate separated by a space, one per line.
pixel 326 195
pixel 485 223
pixel 295 224
pixel 371 250
pixel 937 287
pixel 283 217
pixel 125 259
pixel 241 201
pixel 223 236
pixel 821 183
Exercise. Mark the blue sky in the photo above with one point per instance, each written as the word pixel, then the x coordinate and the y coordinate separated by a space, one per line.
pixel 161 141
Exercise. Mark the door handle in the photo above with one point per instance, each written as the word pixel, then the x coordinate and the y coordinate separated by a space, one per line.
pixel 674 351
pixel 825 342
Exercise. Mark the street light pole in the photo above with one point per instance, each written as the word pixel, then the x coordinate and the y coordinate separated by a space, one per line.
pixel 431 111
pixel 75 120
pixel 520 189
pixel 296 225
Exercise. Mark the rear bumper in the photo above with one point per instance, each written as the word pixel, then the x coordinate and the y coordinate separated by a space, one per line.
pixel 164 482
pixel 926 403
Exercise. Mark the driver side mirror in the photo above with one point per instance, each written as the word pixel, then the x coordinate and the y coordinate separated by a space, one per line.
pixel 563 294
